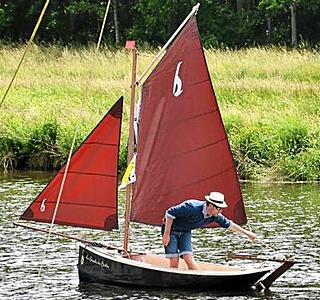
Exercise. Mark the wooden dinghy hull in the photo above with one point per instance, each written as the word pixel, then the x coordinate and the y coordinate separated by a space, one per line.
pixel 107 267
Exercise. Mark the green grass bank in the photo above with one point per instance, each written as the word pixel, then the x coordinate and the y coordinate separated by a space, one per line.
pixel 269 100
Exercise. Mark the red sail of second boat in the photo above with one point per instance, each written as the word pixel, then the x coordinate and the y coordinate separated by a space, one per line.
pixel 89 196
pixel 183 151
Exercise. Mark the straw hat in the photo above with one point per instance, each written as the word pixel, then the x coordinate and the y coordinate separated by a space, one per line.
pixel 216 199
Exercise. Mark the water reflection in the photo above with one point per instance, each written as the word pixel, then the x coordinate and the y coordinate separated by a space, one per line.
pixel 286 217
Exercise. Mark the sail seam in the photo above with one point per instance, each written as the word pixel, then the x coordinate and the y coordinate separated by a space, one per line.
pixel 85 205
pixel 205 146
pixel 201 81
pixel 197 116
pixel 197 182
pixel 201 180
pixel 99 143
pixel 187 119
pixel 190 151
pixel 209 177
pixel 92 174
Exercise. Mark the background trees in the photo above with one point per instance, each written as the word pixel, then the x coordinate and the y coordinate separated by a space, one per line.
pixel 223 23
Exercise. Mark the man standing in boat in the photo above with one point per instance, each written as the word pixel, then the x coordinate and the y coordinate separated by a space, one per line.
pixel 191 214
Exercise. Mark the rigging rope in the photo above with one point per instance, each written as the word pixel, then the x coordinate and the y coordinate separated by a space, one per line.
pixel 26 50
pixel 59 196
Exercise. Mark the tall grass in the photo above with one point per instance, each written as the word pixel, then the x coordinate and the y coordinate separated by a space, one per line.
pixel 269 100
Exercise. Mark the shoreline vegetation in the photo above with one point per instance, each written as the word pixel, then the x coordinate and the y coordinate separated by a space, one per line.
pixel 269 100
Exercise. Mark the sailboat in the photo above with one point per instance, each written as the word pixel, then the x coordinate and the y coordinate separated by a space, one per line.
pixel 182 153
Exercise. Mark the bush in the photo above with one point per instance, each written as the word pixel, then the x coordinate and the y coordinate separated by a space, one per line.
pixel 9 150
pixel 41 150
pixel 258 142
pixel 302 167
pixel 294 136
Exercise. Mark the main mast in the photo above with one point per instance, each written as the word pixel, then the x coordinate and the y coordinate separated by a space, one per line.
pixel 130 45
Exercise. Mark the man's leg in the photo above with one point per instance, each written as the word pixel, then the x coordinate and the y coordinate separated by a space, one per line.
pixel 191 263
pixel 186 250
pixel 171 251
pixel 174 262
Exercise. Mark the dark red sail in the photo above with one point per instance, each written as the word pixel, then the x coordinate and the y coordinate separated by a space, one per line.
pixel 89 197
pixel 183 151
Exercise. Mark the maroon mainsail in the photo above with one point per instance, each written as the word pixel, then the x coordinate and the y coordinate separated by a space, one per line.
pixel 183 152
pixel 89 197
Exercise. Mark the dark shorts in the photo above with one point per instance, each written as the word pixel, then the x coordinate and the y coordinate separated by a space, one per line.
pixel 180 244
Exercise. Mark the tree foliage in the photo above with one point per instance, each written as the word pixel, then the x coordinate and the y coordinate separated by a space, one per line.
pixel 223 23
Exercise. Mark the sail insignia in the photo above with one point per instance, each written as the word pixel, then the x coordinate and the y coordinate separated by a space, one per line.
pixel 43 205
pixel 177 83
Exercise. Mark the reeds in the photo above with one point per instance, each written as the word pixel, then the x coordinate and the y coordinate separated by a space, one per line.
pixel 269 100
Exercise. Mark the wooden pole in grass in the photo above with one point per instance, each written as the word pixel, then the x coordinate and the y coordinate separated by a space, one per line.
pixel 103 25
pixel 26 50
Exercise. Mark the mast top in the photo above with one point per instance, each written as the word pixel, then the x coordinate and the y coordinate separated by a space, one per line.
pixel 164 48
pixel 196 8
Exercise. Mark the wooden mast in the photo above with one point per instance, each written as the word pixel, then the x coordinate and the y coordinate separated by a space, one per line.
pixel 130 45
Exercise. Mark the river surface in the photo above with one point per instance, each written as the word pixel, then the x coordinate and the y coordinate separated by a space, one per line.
pixel 285 216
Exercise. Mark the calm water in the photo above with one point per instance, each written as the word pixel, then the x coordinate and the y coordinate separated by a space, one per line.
pixel 286 217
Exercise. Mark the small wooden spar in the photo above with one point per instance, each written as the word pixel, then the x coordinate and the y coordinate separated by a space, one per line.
pixel 71 237
pixel 124 253
pixel 252 257
pixel 265 283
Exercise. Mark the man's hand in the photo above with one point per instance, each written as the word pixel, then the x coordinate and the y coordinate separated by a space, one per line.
pixel 251 236
pixel 166 239
pixel 167 229
pixel 236 228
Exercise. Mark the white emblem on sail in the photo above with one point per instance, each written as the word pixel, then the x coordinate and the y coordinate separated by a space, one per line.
pixel 177 83
pixel 137 120
pixel 43 205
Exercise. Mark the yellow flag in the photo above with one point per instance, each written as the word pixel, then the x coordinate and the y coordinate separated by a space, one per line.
pixel 129 175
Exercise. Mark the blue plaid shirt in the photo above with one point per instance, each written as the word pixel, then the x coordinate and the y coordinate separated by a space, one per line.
pixel 192 214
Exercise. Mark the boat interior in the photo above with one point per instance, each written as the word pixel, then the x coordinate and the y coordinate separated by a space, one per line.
pixel 162 261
